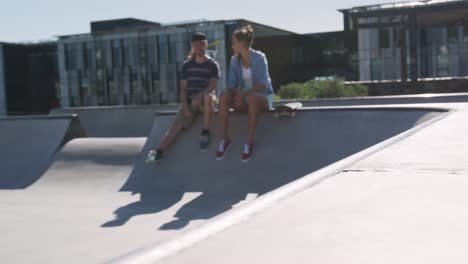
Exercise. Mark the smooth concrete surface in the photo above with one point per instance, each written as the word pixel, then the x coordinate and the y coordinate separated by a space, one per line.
pixel 136 121
pixel 99 200
pixel 385 100
pixel 404 204
pixel 27 146
pixel 116 121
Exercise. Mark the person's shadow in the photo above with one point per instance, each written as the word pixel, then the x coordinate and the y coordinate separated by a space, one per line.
pixel 225 183
pixel 162 192
pixel 161 186
pixel 203 207
pixel 149 203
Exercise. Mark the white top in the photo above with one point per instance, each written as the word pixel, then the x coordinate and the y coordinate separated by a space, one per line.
pixel 246 73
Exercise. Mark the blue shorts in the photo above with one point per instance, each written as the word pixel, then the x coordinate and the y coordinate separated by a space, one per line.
pixel 269 99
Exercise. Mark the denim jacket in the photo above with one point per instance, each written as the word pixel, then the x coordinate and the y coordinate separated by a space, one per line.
pixel 260 74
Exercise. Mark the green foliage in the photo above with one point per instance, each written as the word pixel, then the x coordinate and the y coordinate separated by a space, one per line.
pixel 320 89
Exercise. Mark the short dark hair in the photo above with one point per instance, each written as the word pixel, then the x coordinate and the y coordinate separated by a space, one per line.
pixel 199 36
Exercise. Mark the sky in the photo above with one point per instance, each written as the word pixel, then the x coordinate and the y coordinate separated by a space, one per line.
pixel 33 20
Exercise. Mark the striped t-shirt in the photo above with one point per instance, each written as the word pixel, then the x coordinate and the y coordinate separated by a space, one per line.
pixel 199 75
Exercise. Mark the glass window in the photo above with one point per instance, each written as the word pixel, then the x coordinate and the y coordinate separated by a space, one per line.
pixel 210 35
pixel 135 49
pixel 163 50
pixel 98 58
pixel 99 55
pixel 172 48
pixel 156 85
pixel 465 32
pixel 71 57
pixel 85 56
pixel 88 55
pixel 134 86
pixel 126 52
pixel 111 91
pixel 85 89
pixel 152 46
pixel 452 34
pixel 143 50
pixel 368 20
pixel 116 53
pixel 384 38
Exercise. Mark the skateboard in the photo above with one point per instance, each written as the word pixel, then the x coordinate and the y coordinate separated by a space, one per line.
pixel 288 109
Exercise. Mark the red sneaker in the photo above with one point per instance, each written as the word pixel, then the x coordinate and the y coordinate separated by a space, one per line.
pixel 222 149
pixel 247 154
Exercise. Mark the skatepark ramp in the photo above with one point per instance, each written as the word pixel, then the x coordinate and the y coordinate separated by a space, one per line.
pixel 99 199
pixel 28 145
pixel 116 121
pixel 383 100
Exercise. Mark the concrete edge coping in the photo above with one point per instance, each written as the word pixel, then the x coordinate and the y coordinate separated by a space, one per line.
pixel 39 117
pixel 340 108
pixel 154 253
pixel 370 98
pixel 117 107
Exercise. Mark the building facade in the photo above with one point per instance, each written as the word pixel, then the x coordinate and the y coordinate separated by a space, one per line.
pixel 393 48
pixel 138 63
pixel 300 58
pixel 28 78
pixel 410 41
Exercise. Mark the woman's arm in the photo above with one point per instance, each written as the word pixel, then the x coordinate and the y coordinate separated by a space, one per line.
pixel 233 79
pixel 259 75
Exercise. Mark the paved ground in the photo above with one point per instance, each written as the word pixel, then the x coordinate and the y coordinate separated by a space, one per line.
pixel 404 204
pixel 98 200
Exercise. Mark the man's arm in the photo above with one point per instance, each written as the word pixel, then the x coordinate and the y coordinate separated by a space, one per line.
pixel 212 86
pixel 215 74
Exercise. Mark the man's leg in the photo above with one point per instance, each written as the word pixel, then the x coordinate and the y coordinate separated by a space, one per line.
pixel 170 135
pixel 181 122
pixel 198 105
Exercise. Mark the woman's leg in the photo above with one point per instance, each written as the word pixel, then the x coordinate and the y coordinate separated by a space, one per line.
pixel 256 104
pixel 207 110
pixel 225 101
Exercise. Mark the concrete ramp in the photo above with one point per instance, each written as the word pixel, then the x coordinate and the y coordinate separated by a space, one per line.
pixel 91 166
pixel 286 149
pixel 28 145
pixel 116 121
pixel 100 200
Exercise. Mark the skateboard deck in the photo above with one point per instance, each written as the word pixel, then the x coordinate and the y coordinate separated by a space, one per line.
pixel 288 109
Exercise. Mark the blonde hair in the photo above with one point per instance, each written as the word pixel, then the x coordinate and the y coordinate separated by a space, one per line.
pixel 245 35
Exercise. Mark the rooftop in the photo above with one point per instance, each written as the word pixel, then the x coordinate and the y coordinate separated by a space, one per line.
pixel 401 5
